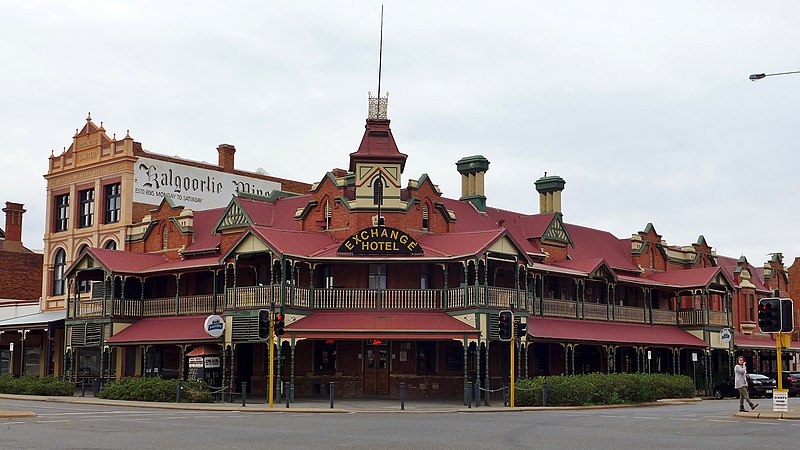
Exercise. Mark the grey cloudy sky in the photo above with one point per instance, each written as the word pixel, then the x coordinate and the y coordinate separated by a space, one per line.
pixel 644 108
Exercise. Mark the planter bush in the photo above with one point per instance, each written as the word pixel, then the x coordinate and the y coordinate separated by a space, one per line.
pixel 29 385
pixel 602 389
pixel 155 389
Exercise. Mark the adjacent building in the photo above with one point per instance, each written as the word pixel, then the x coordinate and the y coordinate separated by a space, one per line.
pixel 96 188
pixel 20 288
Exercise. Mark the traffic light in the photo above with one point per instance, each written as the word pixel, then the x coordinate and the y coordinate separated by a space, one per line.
pixel 769 315
pixel 506 321
pixel 279 323
pixel 263 324
pixel 520 330
pixel 787 315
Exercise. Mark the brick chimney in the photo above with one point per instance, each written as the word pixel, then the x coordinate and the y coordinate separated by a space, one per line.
pixel 473 170
pixel 226 152
pixel 14 212
pixel 549 189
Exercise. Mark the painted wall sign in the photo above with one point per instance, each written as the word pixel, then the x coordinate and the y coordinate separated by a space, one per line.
pixel 214 325
pixel 380 241
pixel 191 187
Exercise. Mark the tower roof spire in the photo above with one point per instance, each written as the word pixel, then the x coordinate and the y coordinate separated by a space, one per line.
pixel 377 105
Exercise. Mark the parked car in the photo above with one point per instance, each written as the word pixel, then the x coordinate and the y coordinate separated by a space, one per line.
pixel 758 386
pixel 791 381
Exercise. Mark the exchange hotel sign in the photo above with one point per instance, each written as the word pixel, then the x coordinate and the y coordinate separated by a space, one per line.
pixel 192 187
pixel 380 241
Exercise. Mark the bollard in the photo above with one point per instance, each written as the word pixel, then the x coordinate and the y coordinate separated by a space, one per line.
pixel 330 392
pixel 477 394
pixel 544 394
pixel 469 394
pixel 83 387
pixel 286 388
pixel 244 393
pixel 178 395
pixel 402 395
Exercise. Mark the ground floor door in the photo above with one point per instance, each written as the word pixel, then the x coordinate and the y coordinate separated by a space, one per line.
pixel 376 368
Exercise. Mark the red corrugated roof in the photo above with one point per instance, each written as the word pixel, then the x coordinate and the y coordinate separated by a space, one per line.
pixel 184 329
pixel 299 243
pixel 586 266
pixel 590 243
pixel 458 244
pixel 686 278
pixel 136 262
pixel 623 333
pixel 203 237
pixel 129 262
pixel 469 219
pixel 381 324
pixel 751 341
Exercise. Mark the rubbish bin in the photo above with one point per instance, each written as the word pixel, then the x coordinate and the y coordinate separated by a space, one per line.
pixel 96 386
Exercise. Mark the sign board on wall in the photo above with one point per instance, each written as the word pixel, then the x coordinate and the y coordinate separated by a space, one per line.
pixel 380 241
pixel 192 187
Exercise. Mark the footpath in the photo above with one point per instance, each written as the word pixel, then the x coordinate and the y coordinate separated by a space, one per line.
pixel 350 406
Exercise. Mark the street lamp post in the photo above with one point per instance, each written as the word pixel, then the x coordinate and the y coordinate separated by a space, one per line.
pixel 758 76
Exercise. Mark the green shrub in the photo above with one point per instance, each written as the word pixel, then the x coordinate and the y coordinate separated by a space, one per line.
pixel 155 389
pixel 602 389
pixel 29 385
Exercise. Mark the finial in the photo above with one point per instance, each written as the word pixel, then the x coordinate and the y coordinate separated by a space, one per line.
pixel 377 105
pixel 115 136
pixel 545 173
pixel 101 124
pixel 127 134
pixel 52 152
pixel 89 117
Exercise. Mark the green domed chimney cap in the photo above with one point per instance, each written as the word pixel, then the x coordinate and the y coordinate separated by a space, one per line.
pixel 472 164
pixel 552 183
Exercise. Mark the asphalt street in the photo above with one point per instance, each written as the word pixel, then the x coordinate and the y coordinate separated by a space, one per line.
pixel 707 424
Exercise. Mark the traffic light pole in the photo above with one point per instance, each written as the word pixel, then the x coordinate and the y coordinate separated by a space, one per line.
pixel 271 359
pixel 511 394
pixel 778 348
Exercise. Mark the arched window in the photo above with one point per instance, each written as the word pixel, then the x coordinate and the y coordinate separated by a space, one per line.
pixel 59 264
pixel 424 217
pixel 82 249
pixel 327 214
pixel 165 238
pixel 110 245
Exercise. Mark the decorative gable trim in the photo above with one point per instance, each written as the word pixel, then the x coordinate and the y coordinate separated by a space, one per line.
pixel 234 216
pixel 556 232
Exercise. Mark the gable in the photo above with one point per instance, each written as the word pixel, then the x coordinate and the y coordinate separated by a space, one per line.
pixel 505 246
pixel 556 232
pixel 234 216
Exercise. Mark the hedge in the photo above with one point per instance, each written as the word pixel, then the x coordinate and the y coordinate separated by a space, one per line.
pixel 156 389
pixel 29 385
pixel 602 389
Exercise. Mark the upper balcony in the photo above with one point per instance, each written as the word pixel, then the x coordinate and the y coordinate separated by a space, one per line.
pixel 304 298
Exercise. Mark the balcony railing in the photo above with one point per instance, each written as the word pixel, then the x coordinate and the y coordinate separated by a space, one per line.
pixel 253 297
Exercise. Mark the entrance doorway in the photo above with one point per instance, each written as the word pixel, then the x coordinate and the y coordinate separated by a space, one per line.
pixel 376 368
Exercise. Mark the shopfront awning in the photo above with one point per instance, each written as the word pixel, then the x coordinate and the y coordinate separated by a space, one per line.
pixel 33 321
pixel 744 341
pixel 381 324
pixel 610 332
pixel 152 330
